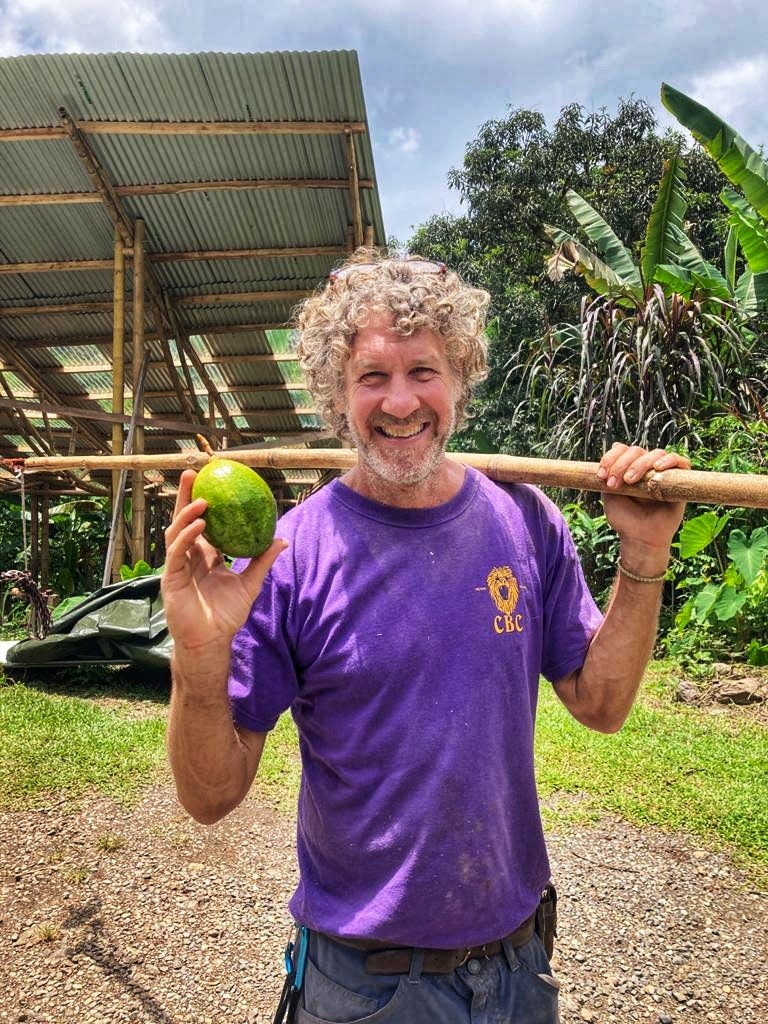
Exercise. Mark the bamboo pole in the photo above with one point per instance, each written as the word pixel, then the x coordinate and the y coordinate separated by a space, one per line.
pixel 138 504
pixel 45 535
pixel 743 490
pixel 118 390
pixel 354 191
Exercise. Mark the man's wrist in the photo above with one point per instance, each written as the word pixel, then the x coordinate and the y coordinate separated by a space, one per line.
pixel 644 561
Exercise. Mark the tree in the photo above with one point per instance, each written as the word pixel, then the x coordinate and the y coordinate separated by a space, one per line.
pixel 513 181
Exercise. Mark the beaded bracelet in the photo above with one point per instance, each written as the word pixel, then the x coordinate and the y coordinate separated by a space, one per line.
pixel 640 579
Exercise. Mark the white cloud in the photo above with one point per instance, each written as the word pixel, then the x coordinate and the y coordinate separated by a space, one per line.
pixel 736 91
pixel 404 140
pixel 51 26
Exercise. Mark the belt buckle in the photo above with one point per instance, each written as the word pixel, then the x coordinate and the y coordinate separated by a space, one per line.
pixel 469 953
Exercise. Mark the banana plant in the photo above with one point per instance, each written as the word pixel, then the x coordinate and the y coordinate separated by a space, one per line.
pixel 667 258
pixel 744 168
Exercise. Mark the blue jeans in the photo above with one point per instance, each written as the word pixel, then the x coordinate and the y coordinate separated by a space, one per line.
pixel 513 987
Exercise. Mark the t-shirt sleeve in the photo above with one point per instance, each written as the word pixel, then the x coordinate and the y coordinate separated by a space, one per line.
pixel 262 679
pixel 571 617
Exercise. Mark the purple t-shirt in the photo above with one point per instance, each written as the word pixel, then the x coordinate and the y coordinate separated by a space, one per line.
pixel 408 644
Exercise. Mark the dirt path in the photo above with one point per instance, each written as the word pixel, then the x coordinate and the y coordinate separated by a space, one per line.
pixel 141 916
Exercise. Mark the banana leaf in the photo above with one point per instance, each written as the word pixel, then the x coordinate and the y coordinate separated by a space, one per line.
pixel 675 278
pixel 610 247
pixel 572 255
pixel 751 292
pixel 751 231
pixel 665 224
pixel 734 156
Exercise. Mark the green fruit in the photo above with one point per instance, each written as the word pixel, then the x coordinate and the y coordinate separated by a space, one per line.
pixel 241 514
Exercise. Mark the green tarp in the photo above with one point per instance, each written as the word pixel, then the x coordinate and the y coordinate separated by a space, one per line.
pixel 122 623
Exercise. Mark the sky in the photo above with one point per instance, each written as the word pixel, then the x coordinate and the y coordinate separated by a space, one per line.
pixel 434 72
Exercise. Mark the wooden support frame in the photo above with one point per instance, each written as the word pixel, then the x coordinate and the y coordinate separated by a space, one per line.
pixel 118 387
pixel 15 361
pixel 354 191
pixel 99 340
pixel 204 128
pixel 138 369
pixel 175 188
pixel 206 299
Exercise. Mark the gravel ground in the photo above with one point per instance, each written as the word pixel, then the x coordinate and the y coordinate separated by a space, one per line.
pixel 140 915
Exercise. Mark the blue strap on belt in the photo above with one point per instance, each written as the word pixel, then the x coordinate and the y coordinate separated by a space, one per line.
pixel 295 961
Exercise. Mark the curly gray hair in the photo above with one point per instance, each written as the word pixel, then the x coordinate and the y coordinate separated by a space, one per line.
pixel 416 297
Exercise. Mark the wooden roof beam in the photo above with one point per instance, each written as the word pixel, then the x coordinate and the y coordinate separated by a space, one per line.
pixel 207 299
pixel 224 389
pixel 84 340
pixel 192 256
pixel 50 132
pixel 207 360
pixel 175 188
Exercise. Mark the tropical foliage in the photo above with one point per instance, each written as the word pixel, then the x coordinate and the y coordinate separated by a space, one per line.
pixel 743 167
pixel 663 340
pixel 513 181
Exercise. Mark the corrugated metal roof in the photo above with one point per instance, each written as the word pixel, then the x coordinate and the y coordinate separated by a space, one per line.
pixel 193 89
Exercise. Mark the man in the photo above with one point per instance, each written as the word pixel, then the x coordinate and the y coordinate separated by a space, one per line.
pixel 405 619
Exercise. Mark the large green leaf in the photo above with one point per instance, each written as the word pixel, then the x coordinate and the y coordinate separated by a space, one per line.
pixel 751 292
pixel 709 283
pixel 608 244
pixel 751 231
pixel 700 531
pixel 733 155
pixel 705 600
pixel 748 554
pixel 729 603
pixel 665 224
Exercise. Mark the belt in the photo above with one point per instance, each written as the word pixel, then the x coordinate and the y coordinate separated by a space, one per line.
pixel 397 960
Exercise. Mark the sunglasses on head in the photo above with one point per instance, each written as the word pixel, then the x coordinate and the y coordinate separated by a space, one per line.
pixel 416 262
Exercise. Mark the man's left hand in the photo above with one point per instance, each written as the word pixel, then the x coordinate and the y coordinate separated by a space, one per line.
pixel 645 527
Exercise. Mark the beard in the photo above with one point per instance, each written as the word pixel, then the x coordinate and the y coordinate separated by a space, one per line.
pixel 405 468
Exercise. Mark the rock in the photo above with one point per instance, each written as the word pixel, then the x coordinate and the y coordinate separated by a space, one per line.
pixel 744 691
pixel 687 692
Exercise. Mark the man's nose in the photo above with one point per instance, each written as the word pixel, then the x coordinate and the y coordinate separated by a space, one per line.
pixel 400 399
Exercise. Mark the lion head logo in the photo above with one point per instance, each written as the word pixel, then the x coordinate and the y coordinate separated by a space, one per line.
pixel 504 588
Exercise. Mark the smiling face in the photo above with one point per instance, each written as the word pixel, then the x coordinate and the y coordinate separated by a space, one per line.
pixel 399 400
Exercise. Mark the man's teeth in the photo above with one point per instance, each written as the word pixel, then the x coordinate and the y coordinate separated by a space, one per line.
pixel 405 431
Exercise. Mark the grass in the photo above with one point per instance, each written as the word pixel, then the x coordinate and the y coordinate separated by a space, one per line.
pixel 65 745
pixel 671 766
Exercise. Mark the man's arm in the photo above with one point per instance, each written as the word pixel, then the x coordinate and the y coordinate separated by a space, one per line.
pixel 600 694
pixel 213 761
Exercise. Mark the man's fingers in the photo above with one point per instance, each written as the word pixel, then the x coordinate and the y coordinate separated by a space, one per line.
pixel 178 548
pixel 630 463
pixel 253 575
pixel 187 514
pixel 184 493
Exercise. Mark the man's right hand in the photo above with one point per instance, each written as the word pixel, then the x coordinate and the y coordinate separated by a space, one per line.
pixel 205 602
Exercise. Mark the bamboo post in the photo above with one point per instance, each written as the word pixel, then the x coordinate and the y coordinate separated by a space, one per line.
pixel 138 502
pixel 34 536
pixel 45 547
pixel 118 384
pixel 743 490
pixel 354 190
